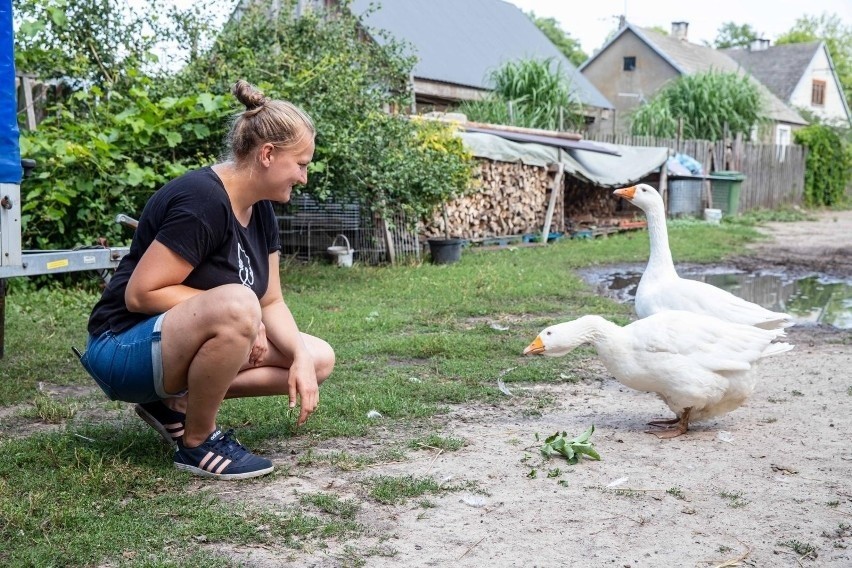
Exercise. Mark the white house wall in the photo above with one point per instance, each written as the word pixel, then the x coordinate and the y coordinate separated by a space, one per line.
pixel 819 68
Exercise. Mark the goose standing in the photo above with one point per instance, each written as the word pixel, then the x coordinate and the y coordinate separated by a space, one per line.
pixel 699 365
pixel 660 287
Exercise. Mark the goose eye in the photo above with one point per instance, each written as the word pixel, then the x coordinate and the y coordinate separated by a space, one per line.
pixel 549 332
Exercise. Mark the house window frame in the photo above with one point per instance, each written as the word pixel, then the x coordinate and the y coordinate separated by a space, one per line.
pixel 629 63
pixel 783 138
pixel 818 92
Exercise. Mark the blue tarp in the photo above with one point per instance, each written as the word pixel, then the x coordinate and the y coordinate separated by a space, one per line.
pixel 10 151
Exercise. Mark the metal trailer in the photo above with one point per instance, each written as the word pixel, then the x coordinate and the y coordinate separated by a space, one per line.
pixel 15 262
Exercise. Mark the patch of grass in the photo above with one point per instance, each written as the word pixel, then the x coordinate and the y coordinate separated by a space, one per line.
pixel 434 441
pixel 50 410
pixel 759 216
pixel 391 490
pixel 114 494
pixel 632 493
pixel 803 549
pixel 348 462
pixel 677 493
pixel 331 504
pixel 735 499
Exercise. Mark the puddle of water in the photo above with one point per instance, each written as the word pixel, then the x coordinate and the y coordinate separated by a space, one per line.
pixel 810 300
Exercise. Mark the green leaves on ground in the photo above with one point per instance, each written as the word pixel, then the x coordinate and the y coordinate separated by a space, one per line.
pixel 572 449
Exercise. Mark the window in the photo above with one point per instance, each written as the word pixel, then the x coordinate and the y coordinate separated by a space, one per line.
pixel 818 92
pixel 782 140
pixel 629 63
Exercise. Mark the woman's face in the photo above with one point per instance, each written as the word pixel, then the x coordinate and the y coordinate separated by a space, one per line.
pixel 288 167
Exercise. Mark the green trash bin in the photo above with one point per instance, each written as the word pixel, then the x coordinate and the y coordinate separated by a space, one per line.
pixel 725 186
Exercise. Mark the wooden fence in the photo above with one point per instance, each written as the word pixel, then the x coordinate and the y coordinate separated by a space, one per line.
pixel 774 175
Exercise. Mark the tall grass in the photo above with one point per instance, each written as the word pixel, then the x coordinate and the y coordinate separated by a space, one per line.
pixel 707 103
pixel 531 93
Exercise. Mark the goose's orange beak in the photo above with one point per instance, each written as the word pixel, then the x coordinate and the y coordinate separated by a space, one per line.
pixel 626 192
pixel 535 348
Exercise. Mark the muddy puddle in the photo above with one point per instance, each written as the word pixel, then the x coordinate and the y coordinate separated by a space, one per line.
pixel 810 298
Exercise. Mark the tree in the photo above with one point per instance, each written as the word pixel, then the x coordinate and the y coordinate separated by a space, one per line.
pixel 531 93
pixel 837 37
pixel 707 103
pixel 83 42
pixel 105 149
pixel 731 34
pixel 563 41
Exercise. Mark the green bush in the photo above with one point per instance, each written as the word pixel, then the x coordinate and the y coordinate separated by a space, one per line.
pixel 99 155
pixel 829 164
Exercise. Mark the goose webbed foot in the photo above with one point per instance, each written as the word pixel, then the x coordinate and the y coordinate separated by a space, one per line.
pixel 672 428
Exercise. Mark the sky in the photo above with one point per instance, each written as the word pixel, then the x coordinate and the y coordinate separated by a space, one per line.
pixel 591 21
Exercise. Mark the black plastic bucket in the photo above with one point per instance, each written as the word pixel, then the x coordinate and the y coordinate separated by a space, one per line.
pixel 445 251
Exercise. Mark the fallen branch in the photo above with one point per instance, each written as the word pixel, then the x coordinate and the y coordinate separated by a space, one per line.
pixel 471 547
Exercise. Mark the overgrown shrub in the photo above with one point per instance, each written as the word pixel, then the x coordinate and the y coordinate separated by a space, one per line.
pixel 101 155
pixel 829 164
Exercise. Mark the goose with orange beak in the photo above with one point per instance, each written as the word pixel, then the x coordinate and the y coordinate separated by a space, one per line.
pixel 660 287
pixel 700 366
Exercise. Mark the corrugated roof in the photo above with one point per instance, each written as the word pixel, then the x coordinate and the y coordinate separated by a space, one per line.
pixel 462 43
pixel 779 67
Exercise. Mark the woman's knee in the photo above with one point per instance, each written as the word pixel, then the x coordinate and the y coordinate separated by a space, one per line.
pixel 324 360
pixel 236 307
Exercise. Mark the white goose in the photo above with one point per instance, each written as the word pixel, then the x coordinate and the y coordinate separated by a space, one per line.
pixel 660 287
pixel 699 365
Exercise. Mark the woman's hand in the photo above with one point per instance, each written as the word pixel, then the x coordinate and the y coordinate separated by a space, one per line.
pixel 260 348
pixel 303 383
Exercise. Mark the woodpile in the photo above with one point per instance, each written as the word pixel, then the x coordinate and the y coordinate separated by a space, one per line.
pixel 509 199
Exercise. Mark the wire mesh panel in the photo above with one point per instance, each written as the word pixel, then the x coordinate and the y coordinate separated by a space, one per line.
pixel 308 227
pixel 685 197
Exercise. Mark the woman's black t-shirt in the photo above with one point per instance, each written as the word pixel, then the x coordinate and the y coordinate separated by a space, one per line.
pixel 192 216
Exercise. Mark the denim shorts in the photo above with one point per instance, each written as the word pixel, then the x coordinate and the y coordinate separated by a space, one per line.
pixel 128 366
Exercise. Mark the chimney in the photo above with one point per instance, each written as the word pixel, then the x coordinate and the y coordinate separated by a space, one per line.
pixel 679 30
pixel 759 45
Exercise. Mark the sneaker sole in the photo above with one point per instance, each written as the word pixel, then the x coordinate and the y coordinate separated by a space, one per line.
pixel 155 424
pixel 204 473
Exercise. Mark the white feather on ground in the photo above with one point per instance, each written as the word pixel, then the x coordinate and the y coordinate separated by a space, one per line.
pixel 699 365
pixel 660 287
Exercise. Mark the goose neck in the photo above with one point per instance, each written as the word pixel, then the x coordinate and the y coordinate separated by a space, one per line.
pixel 661 254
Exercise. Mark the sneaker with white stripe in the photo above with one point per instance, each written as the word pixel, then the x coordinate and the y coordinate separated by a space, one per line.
pixel 221 456
pixel 168 423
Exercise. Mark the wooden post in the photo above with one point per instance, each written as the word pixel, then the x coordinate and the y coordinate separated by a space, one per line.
pixel 388 242
pixel 554 193
pixel 664 184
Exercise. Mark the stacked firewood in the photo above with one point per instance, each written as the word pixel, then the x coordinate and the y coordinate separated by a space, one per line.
pixel 508 199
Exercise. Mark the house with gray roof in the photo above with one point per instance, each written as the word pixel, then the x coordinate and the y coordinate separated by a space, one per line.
pixel 637 62
pixel 458 45
pixel 800 74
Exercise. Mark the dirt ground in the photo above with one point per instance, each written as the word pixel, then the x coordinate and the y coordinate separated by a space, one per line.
pixel 767 485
